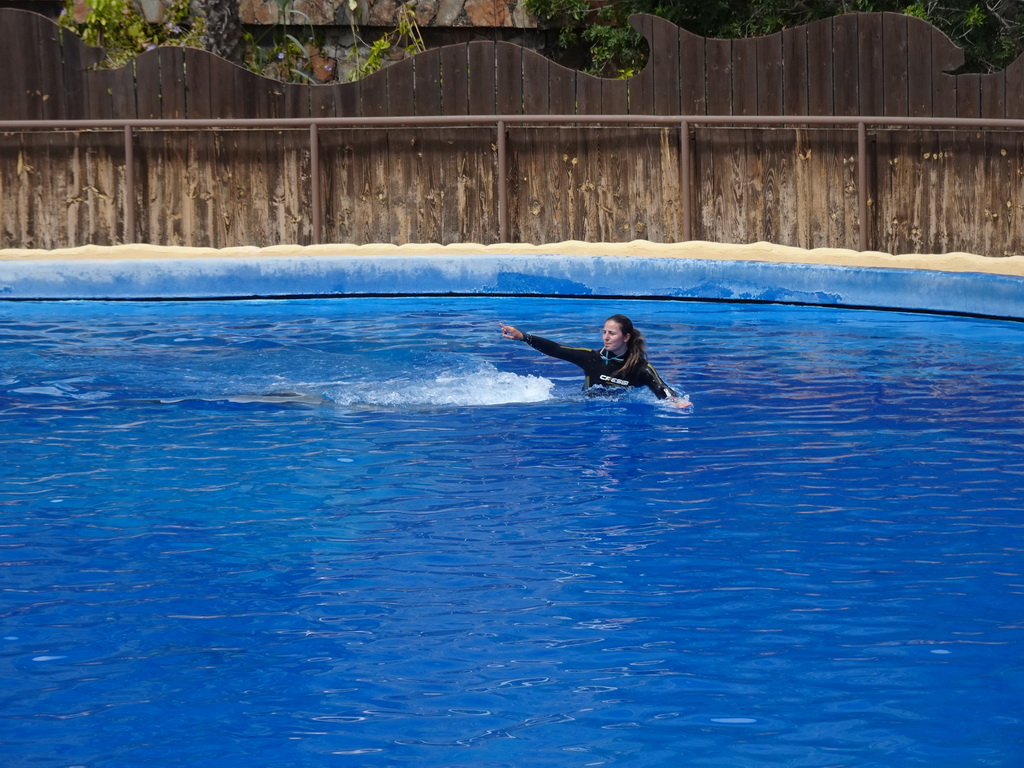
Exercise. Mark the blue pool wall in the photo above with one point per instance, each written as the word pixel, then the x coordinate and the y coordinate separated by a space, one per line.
pixel 974 293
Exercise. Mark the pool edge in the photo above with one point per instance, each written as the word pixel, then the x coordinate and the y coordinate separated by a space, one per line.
pixel 792 278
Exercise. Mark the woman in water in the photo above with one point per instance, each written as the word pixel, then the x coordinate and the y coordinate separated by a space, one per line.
pixel 622 362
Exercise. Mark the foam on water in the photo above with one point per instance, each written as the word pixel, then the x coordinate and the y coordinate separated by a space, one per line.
pixel 466 385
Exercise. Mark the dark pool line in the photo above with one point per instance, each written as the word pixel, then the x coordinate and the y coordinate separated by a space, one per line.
pixel 334 297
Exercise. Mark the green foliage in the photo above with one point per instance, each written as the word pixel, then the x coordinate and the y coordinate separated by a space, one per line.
pixel 117 27
pixel 615 51
pixel 917 10
pixel 990 33
pixel 559 10
pixel 403 41
pixel 975 17
pixel 278 53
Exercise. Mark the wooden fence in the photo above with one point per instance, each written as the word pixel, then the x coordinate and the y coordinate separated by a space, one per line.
pixel 927 190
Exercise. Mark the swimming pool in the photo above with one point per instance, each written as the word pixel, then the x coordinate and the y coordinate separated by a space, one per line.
pixel 370 532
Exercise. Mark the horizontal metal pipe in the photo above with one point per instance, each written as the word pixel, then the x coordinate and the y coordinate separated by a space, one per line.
pixel 875 121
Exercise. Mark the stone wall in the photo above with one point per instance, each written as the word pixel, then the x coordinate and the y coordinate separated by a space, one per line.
pixel 346 29
pixel 385 13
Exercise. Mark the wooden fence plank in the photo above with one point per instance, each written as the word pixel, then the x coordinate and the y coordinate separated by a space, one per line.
pixel 838 187
pixel 716 171
pixel 969 171
pixel 124 92
pixel 16 63
pixel 323 101
pixel 356 186
pixel 454 80
pixel 920 89
pixel 571 166
pixel 199 102
pixel 588 95
pixel 166 184
pixel 609 219
pixel 482 68
pixel 1015 89
pixel 719 64
pixel 405 155
pixel 846 65
pixel 895 65
pixel 373 95
pixel 277 99
pixel 820 76
pixel 94 191
pixel 561 90
pixel 298 99
pixel 992 103
pixel 770 222
pixel 348 100
pixel 549 176
pixel 692 74
pixel 641 85
pixel 586 150
pixel 661 210
pixel 770 95
pixel 794 71
pixel 147 83
pixel 1000 193
pixel 509 78
pixel 172 82
pixel 946 58
pixel 1014 196
pixel 870 64
pixel 97 87
pixel 615 97
pixel 801 188
pixel 473 188
pixel 664 60
pixel 42 52
pixel 77 57
pixel 744 77
pixel 895 100
pixel 427 68
pixel 20 166
pixel 968 95
pixel 225 95
pixel 535 83
pixel 401 88
pixel 429 182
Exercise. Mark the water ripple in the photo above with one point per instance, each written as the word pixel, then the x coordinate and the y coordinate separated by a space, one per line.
pixel 227 537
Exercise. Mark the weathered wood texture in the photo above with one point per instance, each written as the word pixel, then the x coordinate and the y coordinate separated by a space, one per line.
pixel 929 190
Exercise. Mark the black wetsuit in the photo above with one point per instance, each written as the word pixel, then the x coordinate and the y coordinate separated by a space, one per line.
pixel 600 367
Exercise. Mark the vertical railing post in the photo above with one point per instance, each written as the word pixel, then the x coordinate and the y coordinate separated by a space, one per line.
pixel 314 182
pixel 502 145
pixel 129 186
pixel 684 180
pixel 862 185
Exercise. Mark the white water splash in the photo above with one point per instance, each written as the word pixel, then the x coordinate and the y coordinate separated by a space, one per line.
pixel 483 386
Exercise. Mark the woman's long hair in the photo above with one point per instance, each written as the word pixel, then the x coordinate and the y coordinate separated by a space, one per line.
pixel 636 347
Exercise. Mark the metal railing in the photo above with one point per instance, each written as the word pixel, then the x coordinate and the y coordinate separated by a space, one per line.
pixel 684 123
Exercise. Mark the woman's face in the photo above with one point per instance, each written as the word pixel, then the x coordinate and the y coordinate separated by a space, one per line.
pixel 614 339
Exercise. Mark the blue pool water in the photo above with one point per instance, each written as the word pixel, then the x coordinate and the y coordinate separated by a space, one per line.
pixel 369 532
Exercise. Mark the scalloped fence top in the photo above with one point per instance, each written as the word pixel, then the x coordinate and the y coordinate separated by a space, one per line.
pixel 856 64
